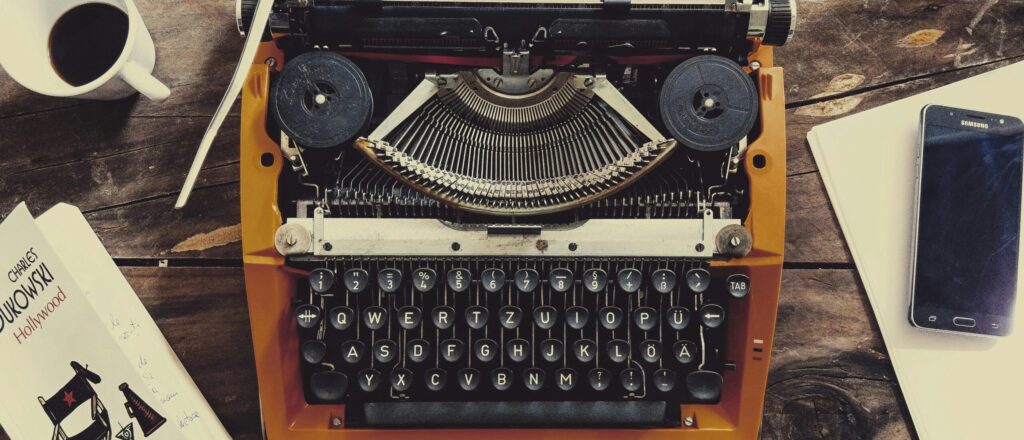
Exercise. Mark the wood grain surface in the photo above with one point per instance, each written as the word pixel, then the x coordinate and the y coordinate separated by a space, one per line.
pixel 123 162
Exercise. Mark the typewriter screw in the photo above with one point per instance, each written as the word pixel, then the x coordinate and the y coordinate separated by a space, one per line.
pixel 573 247
pixel 336 422
pixel 270 62
pixel 456 246
pixel 688 421
pixel 700 247
pixel 328 246
pixel 754 65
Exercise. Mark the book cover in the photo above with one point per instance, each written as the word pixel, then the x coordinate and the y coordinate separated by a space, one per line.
pixel 63 373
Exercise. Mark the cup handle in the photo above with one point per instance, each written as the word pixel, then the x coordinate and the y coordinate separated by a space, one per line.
pixel 144 82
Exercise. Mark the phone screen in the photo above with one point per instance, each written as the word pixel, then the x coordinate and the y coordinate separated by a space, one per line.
pixel 969 223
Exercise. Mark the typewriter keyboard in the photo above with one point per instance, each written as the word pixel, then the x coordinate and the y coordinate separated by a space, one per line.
pixel 488 333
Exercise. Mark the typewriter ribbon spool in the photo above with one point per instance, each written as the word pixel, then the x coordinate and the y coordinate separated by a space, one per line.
pixel 708 103
pixel 321 100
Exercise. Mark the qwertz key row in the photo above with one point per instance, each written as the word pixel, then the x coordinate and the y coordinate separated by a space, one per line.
pixel 506 330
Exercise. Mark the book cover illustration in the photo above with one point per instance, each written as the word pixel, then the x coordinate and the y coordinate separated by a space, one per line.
pixel 63 374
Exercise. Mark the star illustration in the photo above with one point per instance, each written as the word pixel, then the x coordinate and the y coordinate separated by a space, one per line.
pixel 69 397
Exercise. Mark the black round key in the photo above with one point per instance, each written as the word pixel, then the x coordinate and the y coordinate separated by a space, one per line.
pixel 492 279
pixel 585 350
pixel 307 315
pixel 510 317
pixel 738 285
pixel 375 317
pixel 436 379
pixel 577 317
pixel 566 379
pixel 631 379
pixel 534 378
pixel 711 315
pixel 595 280
pixel 599 379
pixel 469 379
pixel 369 379
pixel 485 349
pixel 417 350
pixel 664 280
pixel 385 350
pixel 629 280
pixel 352 351
pixel 560 279
pixel 678 317
pixel 389 280
pixel 645 318
pixel 698 280
pixel 664 380
pixel 704 386
pixel 443 317
pixel 685 351
pixel 518 350
pixel 611 317
pixel 356 280
pixel 452 349
pixel 618 350
pixel 527 280
pixel 313 351
pixel 328 385
pixel 650 350
pixel 401 379
pixel 321 280
pixel 551 350
pixel 341 317
pixel 545 317
pixel 476 317
pixel 501 379
pixel 423 279
pixel 409 317
pixel 458 279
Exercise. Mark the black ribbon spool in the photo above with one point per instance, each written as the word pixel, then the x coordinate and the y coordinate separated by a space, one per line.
pixel 321 100
pixel 708 103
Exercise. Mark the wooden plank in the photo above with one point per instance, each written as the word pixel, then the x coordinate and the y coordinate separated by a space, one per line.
pixel 874 42
pixel 830 375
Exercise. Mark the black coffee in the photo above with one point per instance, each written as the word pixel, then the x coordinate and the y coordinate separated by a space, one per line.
pixel 86 41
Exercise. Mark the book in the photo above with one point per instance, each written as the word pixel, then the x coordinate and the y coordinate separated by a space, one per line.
pixel 79 355
pixel 955 386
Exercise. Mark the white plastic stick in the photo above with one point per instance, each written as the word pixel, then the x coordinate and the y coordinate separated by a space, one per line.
pixel 252 40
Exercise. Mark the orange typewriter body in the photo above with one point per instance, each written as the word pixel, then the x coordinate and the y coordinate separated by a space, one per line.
pixel 271 289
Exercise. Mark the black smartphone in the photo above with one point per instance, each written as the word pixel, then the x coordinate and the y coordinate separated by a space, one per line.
pixel 966 237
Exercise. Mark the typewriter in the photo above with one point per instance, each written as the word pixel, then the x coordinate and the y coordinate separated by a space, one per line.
pixel 470 218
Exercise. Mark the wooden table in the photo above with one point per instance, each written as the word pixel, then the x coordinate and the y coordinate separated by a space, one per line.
pixel 123 162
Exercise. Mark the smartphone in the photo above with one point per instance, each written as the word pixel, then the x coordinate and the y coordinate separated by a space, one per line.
pixel 966 233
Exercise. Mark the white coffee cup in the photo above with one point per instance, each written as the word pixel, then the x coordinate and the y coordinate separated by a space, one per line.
pixel 25 52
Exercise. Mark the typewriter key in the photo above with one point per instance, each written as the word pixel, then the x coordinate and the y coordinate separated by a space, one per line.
pixel 314 351
pixel 738 285
pixel 545 317
pixel 664 280
pixel 664 380
pixel 307 315
pixel 321 280
pixel 534 378
pixel 469 379
pixel 527 280
pixel 595 280
pixel 598 379
pixel 698 280
pixel 328 385
pixel 458 280
pixel 356 280
pixel 321 100
pixel 708 103
pixel 369 380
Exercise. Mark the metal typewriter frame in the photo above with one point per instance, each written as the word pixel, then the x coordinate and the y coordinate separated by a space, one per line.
pixel 270 287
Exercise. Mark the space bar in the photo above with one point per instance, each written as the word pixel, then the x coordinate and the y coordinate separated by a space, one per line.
pixel 510 414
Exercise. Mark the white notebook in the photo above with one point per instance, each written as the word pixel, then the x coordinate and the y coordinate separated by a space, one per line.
pixel 79 354
pixel 956 387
